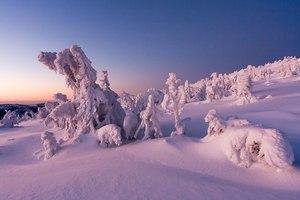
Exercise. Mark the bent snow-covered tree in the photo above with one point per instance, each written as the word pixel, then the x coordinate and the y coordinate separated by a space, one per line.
pixel 174 101
pixel 244 143
pixel 149 121
pixel 93 107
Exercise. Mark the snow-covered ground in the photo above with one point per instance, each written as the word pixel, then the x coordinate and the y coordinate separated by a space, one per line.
pixel 180 167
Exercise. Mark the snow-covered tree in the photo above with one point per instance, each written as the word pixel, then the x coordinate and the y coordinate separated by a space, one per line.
pixel 130 124
pixel 9 119
pixel 141 101
pixel 149 121
pixel 244 91
pixel 244 143
pixel 42 113
pixel 60 97
pixel 28 115
pixel 215 122
pixel 50 144
pixel 109 134
pixel 174 101
pixel 49 106
pixel 111 111
pixel 94 106
pixel 103 80
pixel 127 102
pixel 63 117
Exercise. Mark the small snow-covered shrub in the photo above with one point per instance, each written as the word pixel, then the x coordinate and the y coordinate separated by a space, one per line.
pixel 244 91
pixel 247 144
pixel 130 124
pixel 42 113
pixel 50 144
pixel 244 143
pixel 110 134
pixel 216 123
pixel 9 119
pixel 62 116
pixel 60 97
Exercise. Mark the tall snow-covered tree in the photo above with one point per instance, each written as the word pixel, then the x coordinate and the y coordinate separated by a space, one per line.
pixel 174 101
pixel 94 107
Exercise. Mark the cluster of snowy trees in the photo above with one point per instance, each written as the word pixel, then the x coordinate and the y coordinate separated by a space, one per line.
pixel 93 105
pixel 238 85
pixel 244 143
pixel 95 108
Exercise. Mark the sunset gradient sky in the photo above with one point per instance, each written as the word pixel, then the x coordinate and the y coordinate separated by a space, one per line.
pixel 139 42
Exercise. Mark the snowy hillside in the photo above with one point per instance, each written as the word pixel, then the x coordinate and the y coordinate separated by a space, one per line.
pixel 178 167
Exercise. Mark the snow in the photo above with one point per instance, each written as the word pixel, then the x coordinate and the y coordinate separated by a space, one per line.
pixel 179 167
pixel 188 166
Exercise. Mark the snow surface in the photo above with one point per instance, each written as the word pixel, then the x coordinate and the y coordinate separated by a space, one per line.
pixel 180 167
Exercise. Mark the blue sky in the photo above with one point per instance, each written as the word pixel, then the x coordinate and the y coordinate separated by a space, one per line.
pixel 139 42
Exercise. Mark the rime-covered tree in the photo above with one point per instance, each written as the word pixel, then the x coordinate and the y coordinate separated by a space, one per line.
pixel 216 124
pixel 9 119
pixel 149 121
pixel 50 144
pixel 111 111
pixel 244 143
pixel 127 102
pixel 93 106
pixel 244 93
pixel 174 101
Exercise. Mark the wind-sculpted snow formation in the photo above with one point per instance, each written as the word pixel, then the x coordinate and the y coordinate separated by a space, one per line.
pixel 92 106
pixel 244 143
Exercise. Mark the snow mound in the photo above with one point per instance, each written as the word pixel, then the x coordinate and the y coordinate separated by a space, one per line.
pixel 110 134
pixel 244 143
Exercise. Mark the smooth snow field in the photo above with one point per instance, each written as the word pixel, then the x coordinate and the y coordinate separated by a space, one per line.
pixel 178 167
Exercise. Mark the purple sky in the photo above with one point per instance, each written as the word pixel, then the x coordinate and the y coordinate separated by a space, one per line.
pixel 139 42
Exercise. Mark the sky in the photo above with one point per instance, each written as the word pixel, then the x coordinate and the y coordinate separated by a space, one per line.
pixel 139 42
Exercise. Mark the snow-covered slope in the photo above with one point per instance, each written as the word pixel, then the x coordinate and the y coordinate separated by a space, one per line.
pixel 180 167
